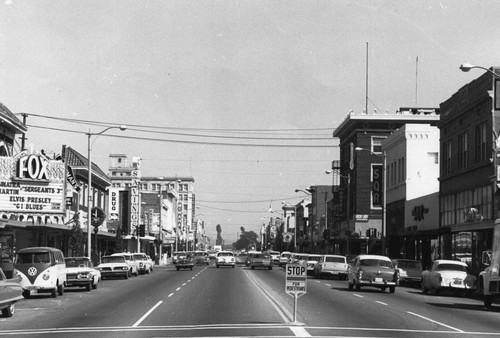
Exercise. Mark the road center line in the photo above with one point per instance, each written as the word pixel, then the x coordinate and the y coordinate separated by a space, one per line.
pixel 355 294
pixel 170 295
pixel 147 314
pixel 329 285
pixel 377 301
pixel 299 331
pixel 177 289
pixel 433 321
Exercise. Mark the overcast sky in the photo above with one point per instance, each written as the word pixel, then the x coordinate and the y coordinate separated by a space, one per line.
pixel 245 73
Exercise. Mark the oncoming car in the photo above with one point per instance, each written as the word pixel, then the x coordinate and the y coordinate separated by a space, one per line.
pixel 372 270
pixel 225 258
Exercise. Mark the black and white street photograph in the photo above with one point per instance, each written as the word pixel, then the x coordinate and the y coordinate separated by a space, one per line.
pixel 249 168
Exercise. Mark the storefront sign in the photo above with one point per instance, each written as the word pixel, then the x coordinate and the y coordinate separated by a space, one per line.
pixel 71 178
pixel 114 203
pixel 377 185
pixel 33 184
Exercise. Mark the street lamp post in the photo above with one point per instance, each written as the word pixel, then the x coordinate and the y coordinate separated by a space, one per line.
pixel 89 187
pixel 384 196
pixel 465 67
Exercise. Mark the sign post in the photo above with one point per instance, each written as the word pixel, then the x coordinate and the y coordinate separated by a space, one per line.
pixel 296 285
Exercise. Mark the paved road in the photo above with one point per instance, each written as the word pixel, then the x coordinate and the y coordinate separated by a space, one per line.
pixel 243 302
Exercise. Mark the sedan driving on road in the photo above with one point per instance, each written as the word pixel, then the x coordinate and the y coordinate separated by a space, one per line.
pixel 225 258
pixel 261 260
pixel 372 270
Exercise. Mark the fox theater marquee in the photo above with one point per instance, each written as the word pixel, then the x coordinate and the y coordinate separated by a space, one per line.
pixel 32 204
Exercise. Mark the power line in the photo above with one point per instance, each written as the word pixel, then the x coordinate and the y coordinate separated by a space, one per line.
pixel 193 142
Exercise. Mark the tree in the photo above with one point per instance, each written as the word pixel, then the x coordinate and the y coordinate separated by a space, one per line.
pixel 76 238
pixel 219 240
pixel 247 241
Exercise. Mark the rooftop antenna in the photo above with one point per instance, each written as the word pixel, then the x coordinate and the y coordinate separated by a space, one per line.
pixel 416 82
pixel 366 81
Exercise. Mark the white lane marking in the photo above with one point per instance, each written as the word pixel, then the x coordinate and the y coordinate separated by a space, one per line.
pixel 317 281
pixel 183 284
pixel 170 295
pixel 329 285
pixel 280 308
pixel 299 331
pixel 433 321
pixel 177 289
pixel 147 314
pixel 355 294
pixel 377 301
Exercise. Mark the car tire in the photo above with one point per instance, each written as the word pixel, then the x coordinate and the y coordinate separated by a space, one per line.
pixel 60 289
pixel 26 294
pixel 94 285
pixel 126 276
pixel 217 266
pixel 358 286
pixel 392 289
pixel 178 268
pixel 270 268
pixel 382 289
pixel 8 311
pixel 253 267
pixel 488 301
pixel 88 287
pixel 53 292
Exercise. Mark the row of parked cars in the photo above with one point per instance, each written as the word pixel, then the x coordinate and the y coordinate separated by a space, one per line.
pixel 384 273
pixel 46 270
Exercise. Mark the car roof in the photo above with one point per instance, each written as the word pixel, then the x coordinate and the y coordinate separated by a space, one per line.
pixel 385 258
pixel 449 261
pixel 339 256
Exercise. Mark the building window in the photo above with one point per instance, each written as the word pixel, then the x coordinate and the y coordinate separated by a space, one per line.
pixel 447 157
pixel 481 143
pixel 462 151
pixel 377 144
pixel 434 157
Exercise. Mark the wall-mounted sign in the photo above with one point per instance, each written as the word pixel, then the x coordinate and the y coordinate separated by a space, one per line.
pixel 71 178
pixel 114 204
pixel 377 185
pixel 32 183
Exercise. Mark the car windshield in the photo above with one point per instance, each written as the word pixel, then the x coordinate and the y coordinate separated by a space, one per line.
pixel 261 256
pixel 77 262
pixel 451 266
pixel 375 262
pixel 140 257
pixel 222 254
pixel 113 259
pixel 409 264
pixel 334 259
pixel 33 257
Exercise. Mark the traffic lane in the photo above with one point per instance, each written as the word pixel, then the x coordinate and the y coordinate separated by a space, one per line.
pixel 440 313
pixel 329 303
pixel 115 302
pixel 221 295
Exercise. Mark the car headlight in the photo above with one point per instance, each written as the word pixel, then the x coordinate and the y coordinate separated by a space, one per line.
pixel 46 276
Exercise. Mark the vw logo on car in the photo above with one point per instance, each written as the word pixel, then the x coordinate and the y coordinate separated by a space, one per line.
pixel 32 271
